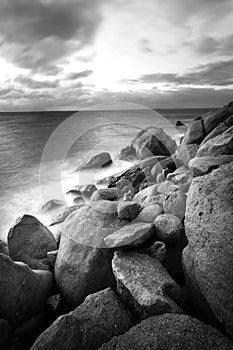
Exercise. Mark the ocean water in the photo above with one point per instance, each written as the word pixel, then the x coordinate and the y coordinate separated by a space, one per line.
pixel 40 152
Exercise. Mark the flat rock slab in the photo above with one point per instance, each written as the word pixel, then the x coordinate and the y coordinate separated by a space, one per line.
pixel 130 235
pixel 170 332
pixel 144 284
pixel 29 241
pixel 23 291
pixel 101 317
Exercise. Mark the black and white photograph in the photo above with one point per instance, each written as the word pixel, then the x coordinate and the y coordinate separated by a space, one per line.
pixel 116 175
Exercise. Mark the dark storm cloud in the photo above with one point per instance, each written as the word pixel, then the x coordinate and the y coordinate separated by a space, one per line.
pixel 79 75
pixel 215 74
pixel 36 34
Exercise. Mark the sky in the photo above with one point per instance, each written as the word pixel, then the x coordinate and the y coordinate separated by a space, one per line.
pixel 74 54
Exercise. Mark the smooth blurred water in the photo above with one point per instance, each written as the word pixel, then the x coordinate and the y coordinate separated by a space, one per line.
pixel 23 137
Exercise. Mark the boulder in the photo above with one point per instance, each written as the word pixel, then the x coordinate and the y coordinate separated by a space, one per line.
pixel 219 129
pixel 175 204
pixel 110 194
pixel 130 235
pixel 204 165
pixel 78 201
pixel 101 317
pixel 147 192
pixel 23 292
pixel 63 214
pixel 186 152
pixel 148 142
pixel 51 205
pixel 157 199
pixel 128 210
pixel 149 213
pixel 5 335
pixel 29 241
pixel 170 331
pixel 100 160
pixel 87 190
pixel 83 264
pixel 208 257
pixel 169 228
pixel 144 285
pixel 135 175
pixel 181 176
pixel 201 127
pixel 218 146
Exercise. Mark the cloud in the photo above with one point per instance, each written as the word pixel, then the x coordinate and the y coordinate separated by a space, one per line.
pixel 144 46
pixel 35 84
pixel 37 34
pixel 215 74
pixel 79 75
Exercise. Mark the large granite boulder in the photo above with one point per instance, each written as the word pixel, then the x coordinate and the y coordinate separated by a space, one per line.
pixel 148 142
pixel 217 146
pixel 203 165
pixel 208 258
pixel 23 292
pixel 130 235
pixel 101 317
pixel 170 331
pixel 201 127
pixel 223 126
pixel 29 241
pixel 100 160
pixel 186 152
pixel 83 264
pixel 144 285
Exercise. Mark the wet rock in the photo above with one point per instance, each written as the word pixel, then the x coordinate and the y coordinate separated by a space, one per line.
pixel 149 213
pixel 168 164
pixel 29 241
pixel 87 190
pixel 51 205
pixel 130 235
pixel 63 214
pixel 135 175
pixel 100 160
pixel 175 204
pixel 101 317
pixel 169 228
pixel 170 331
pixel 148 142
pixel 110 194
pixel 144 285
pixel 128 210
pixel 83 264
pixel 209 255
pixel 23 292
pixel 79 200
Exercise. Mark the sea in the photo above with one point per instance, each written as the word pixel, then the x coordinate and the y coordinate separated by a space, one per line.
pixel 41 153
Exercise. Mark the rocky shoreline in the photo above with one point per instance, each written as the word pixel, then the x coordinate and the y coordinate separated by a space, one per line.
pixel 143 264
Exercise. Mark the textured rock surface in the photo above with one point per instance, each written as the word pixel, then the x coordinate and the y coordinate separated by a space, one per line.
pixel 156 251
pixel 135 175
pixel 166 187
pixel 147 192
pixel 110 194
pixel 83 264
pixel 130 235
pixel 23 292
pixel 98 161
pixel 217 146
pixel 148 142
pixel 181 176
pixel 209 256
pixel 175 204
pixel 127 210
pixel 4 248
pixel 149 213
pixel 175 332
pixel 29 241
pixel 219 129
pixel 5 335
pixel 204 165
pixel 187 152
pixel 169 228
pixel 101 317
pixel 144 285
